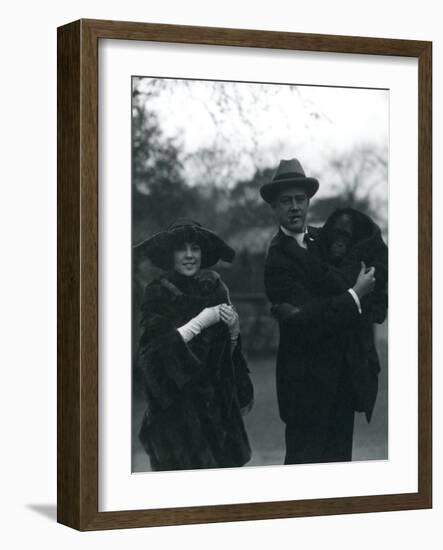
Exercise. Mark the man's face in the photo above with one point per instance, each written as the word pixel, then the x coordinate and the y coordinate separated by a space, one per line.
pixel 291 207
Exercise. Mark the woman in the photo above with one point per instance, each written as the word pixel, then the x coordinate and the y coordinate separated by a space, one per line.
pixel 195 376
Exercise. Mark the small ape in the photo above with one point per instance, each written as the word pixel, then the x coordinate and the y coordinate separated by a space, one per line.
pixel 340 238
pixel 341 234
pixel 347 239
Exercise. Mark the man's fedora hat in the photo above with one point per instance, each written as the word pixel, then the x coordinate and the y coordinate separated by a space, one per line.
pixel 159 248
pixel 288 174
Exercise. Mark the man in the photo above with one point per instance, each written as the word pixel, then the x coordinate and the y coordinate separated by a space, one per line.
pixel 314 385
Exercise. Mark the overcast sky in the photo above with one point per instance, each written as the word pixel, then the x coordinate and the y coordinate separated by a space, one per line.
pixel 314 124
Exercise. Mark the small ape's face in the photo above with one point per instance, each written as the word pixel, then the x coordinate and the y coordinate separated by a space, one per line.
pixel 341 237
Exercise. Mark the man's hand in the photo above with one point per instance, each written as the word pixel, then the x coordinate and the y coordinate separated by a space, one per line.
pixel 365 281
pixel 284 311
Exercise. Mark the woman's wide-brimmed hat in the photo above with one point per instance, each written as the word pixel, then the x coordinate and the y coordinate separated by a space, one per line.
pixel 159 247
pixel 288 174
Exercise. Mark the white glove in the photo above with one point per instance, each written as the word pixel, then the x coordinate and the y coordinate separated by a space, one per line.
pixel 206 318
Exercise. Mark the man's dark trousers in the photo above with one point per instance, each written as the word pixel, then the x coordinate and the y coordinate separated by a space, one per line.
pixel 329 441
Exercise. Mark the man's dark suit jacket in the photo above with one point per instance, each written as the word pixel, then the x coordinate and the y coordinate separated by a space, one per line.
pixel 321 343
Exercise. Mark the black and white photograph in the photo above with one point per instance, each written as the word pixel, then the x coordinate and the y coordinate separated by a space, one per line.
pixel 259 274
pixel 222 266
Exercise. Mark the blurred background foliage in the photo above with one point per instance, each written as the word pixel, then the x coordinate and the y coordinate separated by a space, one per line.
pixel 198 153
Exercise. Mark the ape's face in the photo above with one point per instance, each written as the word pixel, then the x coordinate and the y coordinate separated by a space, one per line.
pixel 341 237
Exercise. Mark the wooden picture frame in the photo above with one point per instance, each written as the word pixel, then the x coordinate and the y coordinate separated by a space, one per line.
pixel 77 456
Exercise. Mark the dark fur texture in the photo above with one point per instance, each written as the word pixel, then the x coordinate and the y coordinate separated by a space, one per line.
pixel 194 391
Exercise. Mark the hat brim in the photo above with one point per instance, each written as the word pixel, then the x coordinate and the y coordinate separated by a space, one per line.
pixel 269 191
pixel 159 247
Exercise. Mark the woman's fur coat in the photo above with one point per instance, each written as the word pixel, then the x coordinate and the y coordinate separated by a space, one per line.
pixel 195 390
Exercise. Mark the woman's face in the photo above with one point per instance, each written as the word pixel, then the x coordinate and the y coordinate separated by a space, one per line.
pixel 187 259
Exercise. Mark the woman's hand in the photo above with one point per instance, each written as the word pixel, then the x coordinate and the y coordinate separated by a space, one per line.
pixel 205 319
pixel 209 316
pixel 230 317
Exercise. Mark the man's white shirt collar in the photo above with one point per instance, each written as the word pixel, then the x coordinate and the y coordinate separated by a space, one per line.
pixel 299 237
